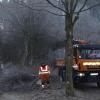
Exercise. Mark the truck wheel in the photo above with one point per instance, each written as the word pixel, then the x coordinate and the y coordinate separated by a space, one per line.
pixel 98 84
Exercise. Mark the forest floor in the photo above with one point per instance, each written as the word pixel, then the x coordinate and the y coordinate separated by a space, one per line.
pixel 32 91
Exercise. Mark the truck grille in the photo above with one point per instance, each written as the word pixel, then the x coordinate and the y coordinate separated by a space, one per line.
pixel 93 67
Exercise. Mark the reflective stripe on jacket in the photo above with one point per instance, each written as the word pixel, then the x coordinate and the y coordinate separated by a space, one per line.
pixel 44 70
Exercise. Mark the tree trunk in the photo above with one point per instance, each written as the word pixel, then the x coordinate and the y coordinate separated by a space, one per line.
pixel 69 55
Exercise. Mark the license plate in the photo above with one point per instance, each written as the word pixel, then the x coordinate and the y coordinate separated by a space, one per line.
pixel 93 74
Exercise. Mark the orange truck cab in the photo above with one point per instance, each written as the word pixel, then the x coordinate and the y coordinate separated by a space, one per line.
pixel 86 66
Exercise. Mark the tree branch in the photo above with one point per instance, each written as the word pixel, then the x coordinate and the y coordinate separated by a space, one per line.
pixel 76 3
pixel 75 19
pixel 63 3
pixel 82 7
pixel 80 10
pixel 71 6
pixel 56 6
pixel 25 5
pixel 53 13
pixel 66 6
pixel 91 7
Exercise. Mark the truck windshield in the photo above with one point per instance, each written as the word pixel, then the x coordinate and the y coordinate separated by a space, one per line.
pixel 89 54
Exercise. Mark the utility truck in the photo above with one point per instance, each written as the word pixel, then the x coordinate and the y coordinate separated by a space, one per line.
pixel 86 63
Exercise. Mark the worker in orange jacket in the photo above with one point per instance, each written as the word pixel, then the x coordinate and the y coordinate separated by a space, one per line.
pixel 44 75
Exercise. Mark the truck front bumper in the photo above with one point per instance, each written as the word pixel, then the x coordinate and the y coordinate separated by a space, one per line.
pixel 86 76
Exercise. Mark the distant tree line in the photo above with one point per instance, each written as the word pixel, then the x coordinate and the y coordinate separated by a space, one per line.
pixel 25 38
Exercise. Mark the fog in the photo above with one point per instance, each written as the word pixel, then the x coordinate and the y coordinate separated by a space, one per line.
pixel 29 32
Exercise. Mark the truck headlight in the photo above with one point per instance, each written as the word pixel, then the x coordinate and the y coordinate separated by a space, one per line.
pixel 81 74
pixel 75 66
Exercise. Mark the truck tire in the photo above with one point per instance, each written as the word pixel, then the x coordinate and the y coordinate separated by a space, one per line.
pixel 98 84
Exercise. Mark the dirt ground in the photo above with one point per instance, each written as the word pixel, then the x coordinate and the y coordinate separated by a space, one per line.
pixel 56 91
pixel 86 93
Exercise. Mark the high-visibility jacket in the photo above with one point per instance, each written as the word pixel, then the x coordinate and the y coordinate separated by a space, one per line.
pixel 44 73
